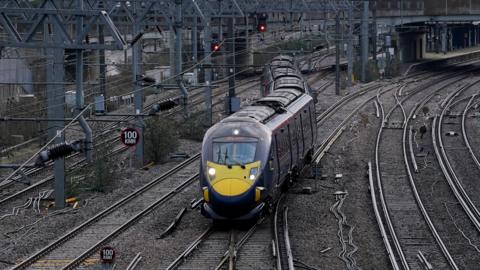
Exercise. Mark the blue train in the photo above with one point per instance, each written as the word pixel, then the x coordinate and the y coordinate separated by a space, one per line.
pixel 250 157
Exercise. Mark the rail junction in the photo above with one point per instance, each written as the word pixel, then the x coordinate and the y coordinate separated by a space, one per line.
pixel 104 105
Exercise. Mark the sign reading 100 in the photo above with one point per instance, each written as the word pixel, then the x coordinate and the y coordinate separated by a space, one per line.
pixel 130 136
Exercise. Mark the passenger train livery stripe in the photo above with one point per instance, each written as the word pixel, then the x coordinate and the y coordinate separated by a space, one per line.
pixel 232 181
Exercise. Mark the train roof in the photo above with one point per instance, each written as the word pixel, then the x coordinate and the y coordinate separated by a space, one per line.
pixel 266 107
pixel 283 57
pixel 284 72
pixel 281 64
pixel 289 82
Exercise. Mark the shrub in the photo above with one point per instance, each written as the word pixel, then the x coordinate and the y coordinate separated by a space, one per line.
pixel 192 128
pixel 160 139
pixel 97 176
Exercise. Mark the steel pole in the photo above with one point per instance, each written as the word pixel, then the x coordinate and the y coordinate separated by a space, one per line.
pixel 364 43
pixel 101 60
pixel 350 45
pixel 337 54
pixel 231 63
pixel 374 31
pixel 56 101
pixel 207 41
pixel 195 47
pixel 138 91
pixel 80 99
pixel 171 46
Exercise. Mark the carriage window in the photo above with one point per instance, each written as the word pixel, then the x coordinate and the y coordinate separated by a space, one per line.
pixel 234 153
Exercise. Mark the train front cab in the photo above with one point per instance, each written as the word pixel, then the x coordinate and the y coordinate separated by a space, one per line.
pixel 233 172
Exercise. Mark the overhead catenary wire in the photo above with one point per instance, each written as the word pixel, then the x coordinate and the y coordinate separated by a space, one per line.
pixel 224 41
pixel 128 81
pixel 59 133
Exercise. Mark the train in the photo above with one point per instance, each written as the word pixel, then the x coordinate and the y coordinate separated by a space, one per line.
pixel 249 158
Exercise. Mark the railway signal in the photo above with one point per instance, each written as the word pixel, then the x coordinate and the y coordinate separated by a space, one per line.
pixel 262 23
pixel 262 27
pixel 215 46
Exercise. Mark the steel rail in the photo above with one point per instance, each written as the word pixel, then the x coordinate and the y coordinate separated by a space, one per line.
pixel 464 132
pixel 110 128
pixel 335 134
pixel 44 181
pixel 410 145
pixel 381 226
pixel 240 243
pixel 77 261
pixel 231 251
pixel 30 260
pixel 418 199
pixel 190 248
pixel 51 177
pixel 133 264
pixel 337 105
pixel 474 213
pixel 386 212
pixel 275 234
pixel 286 237
pixel 449 179
pixel 368 87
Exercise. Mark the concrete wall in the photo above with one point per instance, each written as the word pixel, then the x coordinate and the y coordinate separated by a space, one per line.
pixel 395 8
pixel 427 7
pixel 452 7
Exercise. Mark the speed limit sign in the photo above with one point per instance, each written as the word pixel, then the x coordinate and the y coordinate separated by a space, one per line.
pixel 130 137
pixel 107 255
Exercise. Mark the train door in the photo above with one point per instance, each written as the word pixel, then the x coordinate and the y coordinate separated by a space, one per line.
pixel 292 132
pixel 301 134
pixel 284 153
pixel 313 123
pixel 274 161
pixel 307 130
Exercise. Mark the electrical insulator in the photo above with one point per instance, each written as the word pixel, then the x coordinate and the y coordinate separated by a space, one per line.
pixel 164 106
pixel 58 151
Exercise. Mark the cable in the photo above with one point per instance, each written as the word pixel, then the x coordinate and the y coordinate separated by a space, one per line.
pixel 96 87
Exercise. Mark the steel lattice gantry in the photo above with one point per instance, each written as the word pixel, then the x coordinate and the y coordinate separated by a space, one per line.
pixel 56 25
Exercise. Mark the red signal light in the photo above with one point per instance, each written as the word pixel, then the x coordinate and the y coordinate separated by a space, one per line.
pixel 262 27
pixel 215 47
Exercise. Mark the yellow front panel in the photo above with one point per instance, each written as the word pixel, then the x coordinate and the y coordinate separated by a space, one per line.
pixel 206 197
pixel 232 181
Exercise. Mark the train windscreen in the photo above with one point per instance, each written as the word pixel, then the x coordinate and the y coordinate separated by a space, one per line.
pixel 234 153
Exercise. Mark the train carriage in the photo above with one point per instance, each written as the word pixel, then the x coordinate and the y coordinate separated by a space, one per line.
pixel 249 157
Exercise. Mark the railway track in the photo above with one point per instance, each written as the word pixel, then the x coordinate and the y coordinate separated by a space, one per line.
pixel 283 249
pixel 80 242
pixel 225 247
pixel 324 146
pixel 457 171
pixel 421 247
pixel 74 261
pixel 218 248
pixel 112 137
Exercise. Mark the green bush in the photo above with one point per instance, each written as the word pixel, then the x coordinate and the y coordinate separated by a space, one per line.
pixel 160 139
pixel 193 128
pixel 97 176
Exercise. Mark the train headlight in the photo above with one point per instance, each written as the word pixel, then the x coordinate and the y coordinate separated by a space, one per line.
pixel 211 173
pixel 253 173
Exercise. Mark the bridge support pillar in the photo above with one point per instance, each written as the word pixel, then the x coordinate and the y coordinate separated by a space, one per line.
pixel 443 36
pixel 475 36
pixel 412 46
